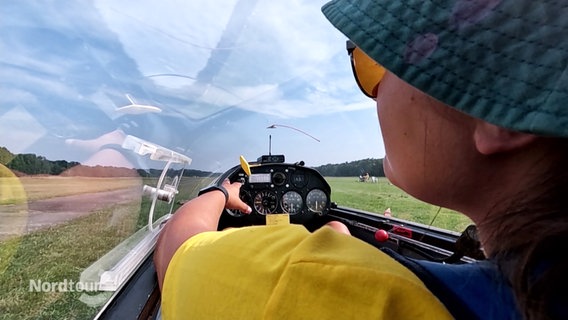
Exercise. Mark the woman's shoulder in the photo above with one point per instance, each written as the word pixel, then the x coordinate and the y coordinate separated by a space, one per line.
pixel 475 290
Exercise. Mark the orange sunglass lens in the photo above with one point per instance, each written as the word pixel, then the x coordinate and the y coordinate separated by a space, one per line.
pixel 369 73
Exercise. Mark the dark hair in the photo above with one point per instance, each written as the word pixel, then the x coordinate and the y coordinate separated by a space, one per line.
pixel 535 256
pixel 542 281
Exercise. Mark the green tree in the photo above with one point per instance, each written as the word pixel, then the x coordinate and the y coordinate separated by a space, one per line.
pixel 5 156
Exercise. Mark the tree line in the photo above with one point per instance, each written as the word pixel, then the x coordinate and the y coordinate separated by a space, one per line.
pixel 374 167
pixel 32 164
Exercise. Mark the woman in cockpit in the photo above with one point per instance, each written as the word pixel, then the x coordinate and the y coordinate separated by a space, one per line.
pixel 471 98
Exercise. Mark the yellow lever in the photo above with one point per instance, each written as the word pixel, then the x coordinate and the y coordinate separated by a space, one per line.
pixel 245 165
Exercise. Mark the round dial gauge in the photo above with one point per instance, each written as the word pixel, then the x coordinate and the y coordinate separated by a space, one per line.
pixel 292 202
pixel 265 202
pixel 316 200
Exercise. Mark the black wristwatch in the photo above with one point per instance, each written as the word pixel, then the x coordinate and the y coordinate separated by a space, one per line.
pixel 214 187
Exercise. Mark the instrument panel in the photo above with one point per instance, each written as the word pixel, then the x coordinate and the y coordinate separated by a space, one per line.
pixel 278 188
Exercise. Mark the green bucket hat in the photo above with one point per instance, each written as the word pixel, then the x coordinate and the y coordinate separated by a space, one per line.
pixel 504 61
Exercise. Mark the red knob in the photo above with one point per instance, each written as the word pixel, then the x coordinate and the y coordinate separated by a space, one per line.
pixel 381 235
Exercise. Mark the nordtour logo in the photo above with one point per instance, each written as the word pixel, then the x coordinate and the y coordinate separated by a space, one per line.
pixel 38 285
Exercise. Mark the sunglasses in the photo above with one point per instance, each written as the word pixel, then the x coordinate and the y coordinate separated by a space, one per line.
pixel 367 72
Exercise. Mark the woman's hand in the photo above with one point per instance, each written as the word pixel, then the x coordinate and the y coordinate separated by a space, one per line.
pixel 339 227
pixel 234 202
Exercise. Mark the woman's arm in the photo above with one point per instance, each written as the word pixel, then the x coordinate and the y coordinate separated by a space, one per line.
pixel 198 215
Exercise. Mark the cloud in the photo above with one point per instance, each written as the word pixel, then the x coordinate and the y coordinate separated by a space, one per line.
pixel 15 97
pixel 278 42
pixel 19 130
pixel 167 37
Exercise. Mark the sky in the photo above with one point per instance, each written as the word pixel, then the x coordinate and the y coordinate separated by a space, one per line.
pixel 202 78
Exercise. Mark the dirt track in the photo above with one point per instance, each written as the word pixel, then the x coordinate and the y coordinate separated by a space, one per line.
pixel 39 214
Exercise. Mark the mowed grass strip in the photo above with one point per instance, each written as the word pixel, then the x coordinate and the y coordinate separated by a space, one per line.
pixel 64 251
pixel 56 254
pixel 46 187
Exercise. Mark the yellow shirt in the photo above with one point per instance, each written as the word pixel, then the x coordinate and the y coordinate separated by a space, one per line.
pixel 286 272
